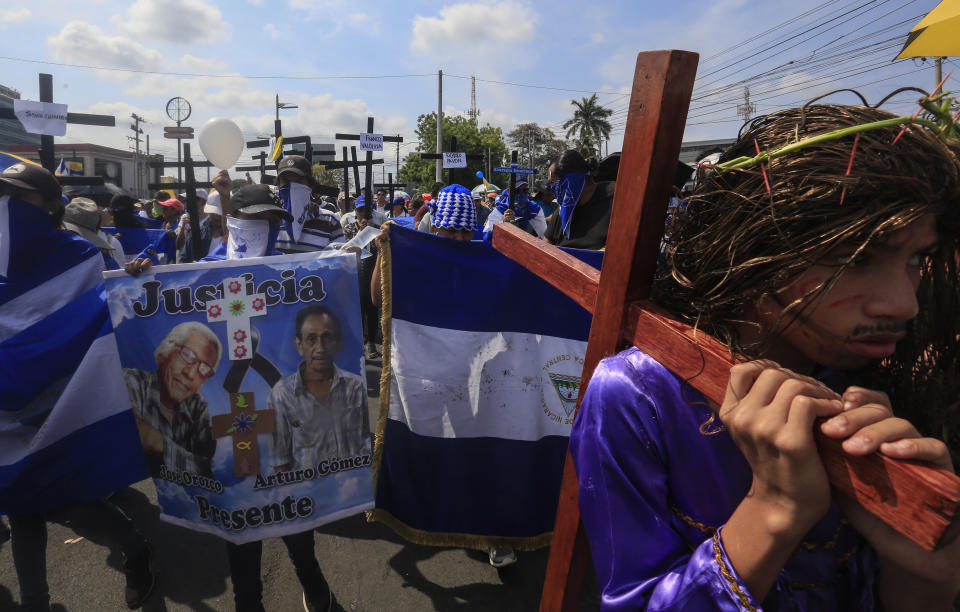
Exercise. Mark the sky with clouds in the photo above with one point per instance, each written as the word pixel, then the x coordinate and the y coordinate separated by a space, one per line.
pixel 342 61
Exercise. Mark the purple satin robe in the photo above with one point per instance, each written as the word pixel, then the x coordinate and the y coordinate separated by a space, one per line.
pixel 653 490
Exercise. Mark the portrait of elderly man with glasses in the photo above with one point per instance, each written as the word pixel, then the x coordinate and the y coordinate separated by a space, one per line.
pixel 171 414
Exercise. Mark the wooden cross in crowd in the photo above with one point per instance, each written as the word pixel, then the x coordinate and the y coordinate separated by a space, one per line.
pixel 390 186
pixel 368 163
pixel 47 157
pixel 918 501
pixel 262 167
pixel 347 166
pixel 452 172
pixel 190 184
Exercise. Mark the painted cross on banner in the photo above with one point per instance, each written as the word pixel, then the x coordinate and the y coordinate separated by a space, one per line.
pixel 243 424
pixel 236 308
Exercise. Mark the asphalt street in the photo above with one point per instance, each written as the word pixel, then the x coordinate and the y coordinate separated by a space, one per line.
pixel 368 566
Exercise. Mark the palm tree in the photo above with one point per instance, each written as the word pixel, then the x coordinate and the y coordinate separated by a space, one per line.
pixel 589 121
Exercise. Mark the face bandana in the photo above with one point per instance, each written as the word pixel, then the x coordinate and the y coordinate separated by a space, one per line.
pixel 568 190
pixel 296 201
pixel 250 238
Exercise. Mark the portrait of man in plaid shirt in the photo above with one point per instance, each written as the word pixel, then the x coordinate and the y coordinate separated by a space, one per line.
pixel 171 413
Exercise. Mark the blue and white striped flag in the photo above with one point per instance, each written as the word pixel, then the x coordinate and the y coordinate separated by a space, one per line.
pixel 66 431
pixel 485 369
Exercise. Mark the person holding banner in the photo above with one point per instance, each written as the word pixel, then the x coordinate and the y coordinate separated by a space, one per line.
pixel 65 426
pixel 843 293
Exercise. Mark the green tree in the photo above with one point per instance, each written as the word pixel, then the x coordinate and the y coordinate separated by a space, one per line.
pixel 537 146
pixel 471 139
pixel 331 178
pixel 589 122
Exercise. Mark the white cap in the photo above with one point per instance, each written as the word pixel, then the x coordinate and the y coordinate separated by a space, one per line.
pixel 213 204
pixel 201 193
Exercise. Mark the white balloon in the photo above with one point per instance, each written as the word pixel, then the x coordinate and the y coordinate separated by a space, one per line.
pixel 221 142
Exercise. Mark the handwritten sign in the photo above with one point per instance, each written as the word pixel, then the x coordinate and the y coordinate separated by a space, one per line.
pixel 371 142
pixel 45 118
pixel 454 160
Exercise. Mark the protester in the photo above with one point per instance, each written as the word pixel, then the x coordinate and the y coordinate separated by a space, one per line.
pixel 164 249
pixel 544 199
pixel 185 252
pixel 37 252
pixel 321 227
pixel 519 211
pixel 482 211
pixel 581 222
pixel 399 208
pixel 124 212
pixel 427 197
pixel 215 219
pixel 380 202
pixel 82 217
pixel 841 288
pixel 413 205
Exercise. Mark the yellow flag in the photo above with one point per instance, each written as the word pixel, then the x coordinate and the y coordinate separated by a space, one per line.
pixel 277 149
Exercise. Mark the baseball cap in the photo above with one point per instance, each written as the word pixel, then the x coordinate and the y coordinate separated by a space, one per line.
pixel 297 164
pixel 81 216
pixel 32 178
pixel 173 203
pixel 253 199
pixel 122 201
pixel 201 193
pixel 213 204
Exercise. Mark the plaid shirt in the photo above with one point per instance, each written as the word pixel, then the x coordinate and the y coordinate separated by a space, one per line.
pixel 187 442
pixel 309 430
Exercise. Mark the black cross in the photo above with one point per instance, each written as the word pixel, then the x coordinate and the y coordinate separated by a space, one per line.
pixel 451 172
pixel 190 185
pixel 368 183
pixel 47 156
pixel 389 185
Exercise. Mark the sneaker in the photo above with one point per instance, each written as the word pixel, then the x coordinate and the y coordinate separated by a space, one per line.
pixel 321 597
pixel 312 607
pixel 502 557
pixel 140 578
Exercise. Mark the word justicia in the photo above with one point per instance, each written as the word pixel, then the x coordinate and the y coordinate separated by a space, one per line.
pixel 184 300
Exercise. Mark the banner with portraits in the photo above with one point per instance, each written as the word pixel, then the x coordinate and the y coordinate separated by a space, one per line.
pixel 247 381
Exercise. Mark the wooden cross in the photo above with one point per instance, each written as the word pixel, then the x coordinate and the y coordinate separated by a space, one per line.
pixel 389 185
pixel 918 501
pixel 243 424
pixel 262 158
pixel 451 172
pixel 514 170
pixel 191 185
pixel 368 180
pixel 236 308
pixel 47 156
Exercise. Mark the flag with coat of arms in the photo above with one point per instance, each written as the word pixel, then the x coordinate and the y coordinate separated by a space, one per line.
pixel 482 364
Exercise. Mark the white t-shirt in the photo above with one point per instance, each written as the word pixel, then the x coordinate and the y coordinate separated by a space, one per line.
pixel 116 249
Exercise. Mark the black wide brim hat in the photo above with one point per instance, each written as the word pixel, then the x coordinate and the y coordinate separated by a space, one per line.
pixel 253 199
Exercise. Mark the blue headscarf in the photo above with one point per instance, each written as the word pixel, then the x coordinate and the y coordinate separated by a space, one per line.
pixel 360 202
pixel 523 207
pixel 568 190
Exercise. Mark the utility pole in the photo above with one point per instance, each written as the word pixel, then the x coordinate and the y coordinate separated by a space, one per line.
pixel 440 124
pixel 398 158
pixel 474 111
pixel 938 70
pixel 136 156
pixel 283 105
pixel 746 109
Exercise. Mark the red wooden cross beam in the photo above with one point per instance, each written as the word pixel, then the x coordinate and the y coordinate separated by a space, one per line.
pixel 918 501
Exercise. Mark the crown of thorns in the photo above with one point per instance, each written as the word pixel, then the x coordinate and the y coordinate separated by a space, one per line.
pixel 937 119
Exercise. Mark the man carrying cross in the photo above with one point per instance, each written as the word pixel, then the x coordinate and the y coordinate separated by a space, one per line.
pixel 842 289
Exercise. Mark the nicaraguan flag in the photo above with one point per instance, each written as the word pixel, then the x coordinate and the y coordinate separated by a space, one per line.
pixel 62 168
pixel 485 364
pixel 66 430
pixel 134 239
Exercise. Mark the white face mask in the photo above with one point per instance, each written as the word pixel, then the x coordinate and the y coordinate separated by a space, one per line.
pixel 247 237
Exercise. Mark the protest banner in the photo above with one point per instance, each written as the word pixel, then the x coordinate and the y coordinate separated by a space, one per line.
pixel 478 397
pixel 247 382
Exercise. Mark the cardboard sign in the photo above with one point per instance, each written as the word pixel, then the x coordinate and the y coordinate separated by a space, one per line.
pixel 45 118
pixel 371 142
pixel 454 160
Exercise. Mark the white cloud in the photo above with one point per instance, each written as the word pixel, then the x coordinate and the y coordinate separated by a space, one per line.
pixel 80 42
pixel 202 65
pixel 272 30
pixel 485 28
pixel 186 21
pixel 13 16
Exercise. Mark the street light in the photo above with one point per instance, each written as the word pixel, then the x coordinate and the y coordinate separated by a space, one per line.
pixel 283 105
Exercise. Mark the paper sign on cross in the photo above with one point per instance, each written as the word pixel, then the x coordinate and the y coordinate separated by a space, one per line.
pixel 236 308
pixel 243 424
pixel 918 501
